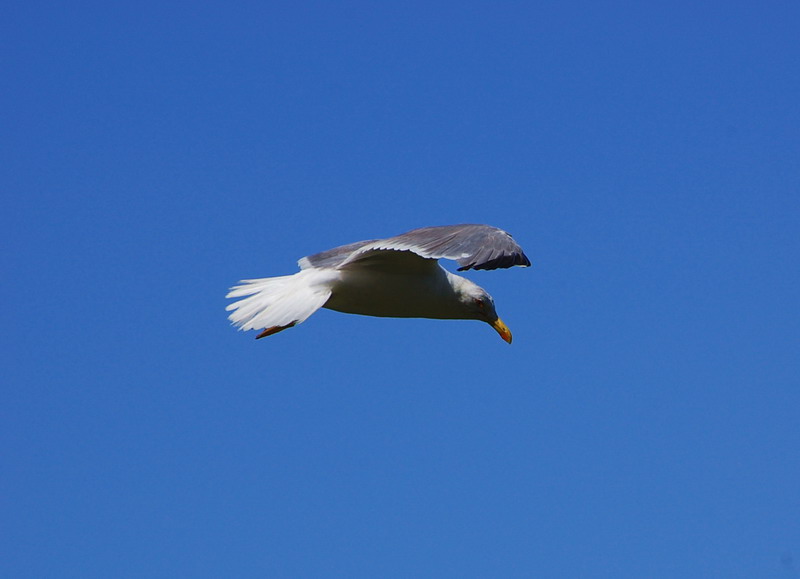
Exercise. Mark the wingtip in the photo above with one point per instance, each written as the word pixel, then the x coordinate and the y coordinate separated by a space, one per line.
pixel 503 262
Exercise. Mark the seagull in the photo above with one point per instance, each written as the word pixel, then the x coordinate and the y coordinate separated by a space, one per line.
pixel 397 277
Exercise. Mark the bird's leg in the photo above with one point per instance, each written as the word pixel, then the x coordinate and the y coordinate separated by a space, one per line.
pixel 274 330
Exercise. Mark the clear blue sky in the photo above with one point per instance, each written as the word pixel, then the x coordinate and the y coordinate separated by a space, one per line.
pixel 644 423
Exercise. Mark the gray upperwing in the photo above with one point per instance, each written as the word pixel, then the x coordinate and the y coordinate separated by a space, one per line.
pixel 471 246
pixel 332 257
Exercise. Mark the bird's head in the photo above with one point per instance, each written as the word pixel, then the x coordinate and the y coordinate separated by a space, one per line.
pixel 479 305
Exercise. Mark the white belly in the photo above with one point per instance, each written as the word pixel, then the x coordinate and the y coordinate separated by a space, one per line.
pixel 395 295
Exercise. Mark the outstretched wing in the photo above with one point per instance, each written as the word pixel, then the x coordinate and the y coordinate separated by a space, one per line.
pixel 471 246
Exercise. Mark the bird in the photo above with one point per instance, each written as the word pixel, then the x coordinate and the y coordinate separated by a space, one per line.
pixel 397 277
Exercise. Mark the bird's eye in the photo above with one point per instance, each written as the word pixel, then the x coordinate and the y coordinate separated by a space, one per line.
pixel 480 303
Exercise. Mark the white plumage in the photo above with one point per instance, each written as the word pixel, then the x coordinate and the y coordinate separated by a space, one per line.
pixel 280 301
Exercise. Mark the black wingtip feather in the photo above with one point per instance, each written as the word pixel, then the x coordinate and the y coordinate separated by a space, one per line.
pixel 501 262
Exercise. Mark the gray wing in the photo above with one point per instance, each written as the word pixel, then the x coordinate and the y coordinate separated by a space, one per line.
pixel 332 257
pixel 471 246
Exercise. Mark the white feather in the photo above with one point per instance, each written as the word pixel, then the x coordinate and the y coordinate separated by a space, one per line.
pixel 280 301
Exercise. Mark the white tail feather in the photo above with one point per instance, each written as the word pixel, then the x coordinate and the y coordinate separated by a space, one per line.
pixel 280 301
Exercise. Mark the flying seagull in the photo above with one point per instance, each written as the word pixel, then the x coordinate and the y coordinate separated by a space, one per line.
pixel 398 277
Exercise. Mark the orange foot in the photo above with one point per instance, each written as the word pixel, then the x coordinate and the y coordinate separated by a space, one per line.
pixel 274 330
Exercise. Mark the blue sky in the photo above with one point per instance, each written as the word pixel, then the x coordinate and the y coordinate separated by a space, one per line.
pixel 644 423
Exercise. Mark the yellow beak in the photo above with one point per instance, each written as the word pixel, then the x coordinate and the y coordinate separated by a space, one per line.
pixel 502 329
